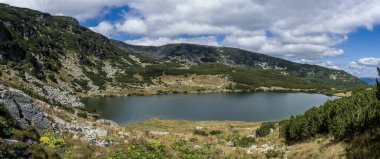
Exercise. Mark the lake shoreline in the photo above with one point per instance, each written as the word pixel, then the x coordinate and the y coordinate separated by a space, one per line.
pixel 225 91
pixel 238 106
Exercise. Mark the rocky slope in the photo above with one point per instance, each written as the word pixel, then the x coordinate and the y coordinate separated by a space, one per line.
pixel 22 108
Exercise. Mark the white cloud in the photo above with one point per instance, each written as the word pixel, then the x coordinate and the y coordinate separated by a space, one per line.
pixel 364 67
pixel 291 28
pixel 296 28
pixel 209 40
pixel 330 64
pixel 104 28
pixel 132 26
pixel 369 61
pixel 274 46
pixel 306 61
pixel 354 65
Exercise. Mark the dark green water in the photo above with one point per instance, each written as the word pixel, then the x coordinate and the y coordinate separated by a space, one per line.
pixel 231 106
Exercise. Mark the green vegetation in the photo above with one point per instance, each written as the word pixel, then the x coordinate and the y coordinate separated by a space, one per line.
pixel 343 118
pixel 142 150
pixel 9 130
pixel 200 132
pixel 52 140
pixel 378 85
pixel 242 141
pixel 7 123
pixel 220 60
pixel 82 114
pixel 245 141
pixel 82 83
pixel 247 78
pixel 32 34
pixel 186 151
pixel 215 132
pixel 274 154
pixel 265 129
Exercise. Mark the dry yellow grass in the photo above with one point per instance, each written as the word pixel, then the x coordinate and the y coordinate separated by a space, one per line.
pixel 347 94
pixel 317 148
pixel 170 84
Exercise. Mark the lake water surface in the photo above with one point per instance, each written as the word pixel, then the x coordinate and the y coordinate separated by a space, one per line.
pixel 230 106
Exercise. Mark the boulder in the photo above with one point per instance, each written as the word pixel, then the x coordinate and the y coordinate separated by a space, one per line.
pixel 198 128
pixel 25 111
pixel 93 135
pixel 106 122
pixel 101 132
pixel 105 143
pixel 158 133
pixel 230 144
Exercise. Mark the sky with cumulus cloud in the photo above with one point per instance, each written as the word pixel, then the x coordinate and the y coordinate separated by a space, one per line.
pixel 339 34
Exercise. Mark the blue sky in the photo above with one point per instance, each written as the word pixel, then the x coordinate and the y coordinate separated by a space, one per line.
pixel 339 34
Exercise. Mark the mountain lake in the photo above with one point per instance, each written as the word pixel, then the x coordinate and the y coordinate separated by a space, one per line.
pixel 262 106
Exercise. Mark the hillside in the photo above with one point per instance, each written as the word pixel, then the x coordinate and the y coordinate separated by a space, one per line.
pixel 194 55
pixel 55 58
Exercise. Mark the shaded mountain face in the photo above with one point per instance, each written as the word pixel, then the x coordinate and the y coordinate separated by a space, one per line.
pixel 55 58
pixel 37 42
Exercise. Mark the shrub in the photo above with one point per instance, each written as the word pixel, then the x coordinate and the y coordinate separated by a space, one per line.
pixel 344 118
pixel 188 151
pixel 200 132
pixel 143 150
pixel 274 154
pixel 193 140
pixel 265 129
pixel 215 132
pixel 22 135
pixel 22 150
pixel 246 141
pixel 7 123
pixel 82 83
pixel 82 114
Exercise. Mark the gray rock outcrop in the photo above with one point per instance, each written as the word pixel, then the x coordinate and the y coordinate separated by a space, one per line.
pixel 24 110
pixel 107 122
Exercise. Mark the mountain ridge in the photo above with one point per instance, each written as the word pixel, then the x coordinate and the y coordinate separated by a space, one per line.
pixel 56 58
